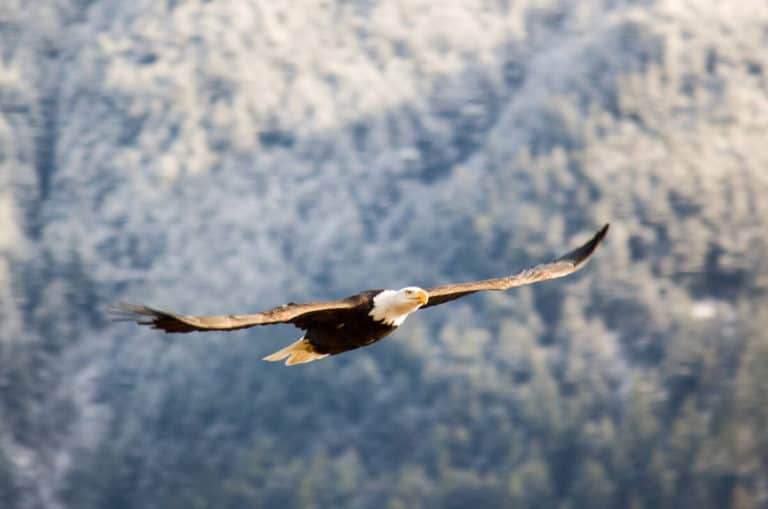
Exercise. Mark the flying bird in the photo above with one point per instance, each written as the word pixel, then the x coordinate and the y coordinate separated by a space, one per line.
pixel 333 327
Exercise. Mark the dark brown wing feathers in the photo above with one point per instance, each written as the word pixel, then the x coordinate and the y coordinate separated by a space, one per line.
pixel 304 315
pixel 172 322
pixel 566 264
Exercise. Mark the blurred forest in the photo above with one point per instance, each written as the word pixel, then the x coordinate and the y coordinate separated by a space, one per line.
pixel 229 156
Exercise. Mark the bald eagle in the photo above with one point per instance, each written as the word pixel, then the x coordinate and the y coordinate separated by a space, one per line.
pixel 333 327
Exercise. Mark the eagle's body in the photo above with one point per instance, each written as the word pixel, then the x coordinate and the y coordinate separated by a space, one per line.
pixel 349 329
pixel 367 321
pixel 360 320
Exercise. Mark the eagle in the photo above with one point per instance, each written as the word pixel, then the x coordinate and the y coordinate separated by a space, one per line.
pixel 334 327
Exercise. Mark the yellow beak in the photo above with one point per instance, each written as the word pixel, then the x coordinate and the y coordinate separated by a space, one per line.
pixel 423 297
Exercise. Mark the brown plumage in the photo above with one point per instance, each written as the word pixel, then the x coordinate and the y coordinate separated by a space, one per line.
pixel 337 326
pixel 566 264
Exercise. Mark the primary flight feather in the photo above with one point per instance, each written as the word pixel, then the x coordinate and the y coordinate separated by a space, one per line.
pixel 334 327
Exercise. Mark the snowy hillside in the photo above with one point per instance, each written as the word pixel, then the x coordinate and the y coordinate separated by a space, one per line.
pixel 213 157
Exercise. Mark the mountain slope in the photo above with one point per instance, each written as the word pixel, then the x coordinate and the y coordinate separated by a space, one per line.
pixel 226 157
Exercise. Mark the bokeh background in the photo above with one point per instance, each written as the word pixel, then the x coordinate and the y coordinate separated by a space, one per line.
pixel 229 156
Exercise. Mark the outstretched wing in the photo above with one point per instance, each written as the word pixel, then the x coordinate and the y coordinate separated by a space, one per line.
pixel 172 322
pixel 566 264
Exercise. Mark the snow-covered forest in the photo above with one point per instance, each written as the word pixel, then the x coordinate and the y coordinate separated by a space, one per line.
pixel 229 156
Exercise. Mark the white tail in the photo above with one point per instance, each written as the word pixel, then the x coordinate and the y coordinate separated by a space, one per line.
pixel 298 353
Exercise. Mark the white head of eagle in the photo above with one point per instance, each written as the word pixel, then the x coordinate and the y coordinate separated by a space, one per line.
pixel 391 307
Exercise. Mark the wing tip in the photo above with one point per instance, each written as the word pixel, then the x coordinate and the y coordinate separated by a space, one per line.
pixel 145 315
pixel 600 235
pixel 581 254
